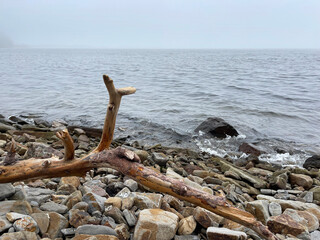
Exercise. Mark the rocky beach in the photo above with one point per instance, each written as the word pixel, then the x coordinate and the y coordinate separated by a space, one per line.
pixel 105 204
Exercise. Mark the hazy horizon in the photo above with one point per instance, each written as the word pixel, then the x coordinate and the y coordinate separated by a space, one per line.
pixel 142 24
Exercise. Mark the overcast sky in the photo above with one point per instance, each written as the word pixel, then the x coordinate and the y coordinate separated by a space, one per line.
pixel 160 23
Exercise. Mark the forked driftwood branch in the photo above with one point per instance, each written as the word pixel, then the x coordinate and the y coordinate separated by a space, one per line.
pixel 126 162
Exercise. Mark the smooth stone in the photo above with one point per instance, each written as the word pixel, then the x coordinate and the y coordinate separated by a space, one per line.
pixel 81 206
pixel 6 190
pixel 95 237
pixel 275 209
pixel 95 202
pixel 284 224
pixel 113 201
pixel 5 207
pixel 5 127
pixel 130 217
pixel 95 230
pixel 301 180
pixel 156 224
pixel 57 222
pixel 4 224
pixel 54 207
pixel 68 232
pixel 315 212
pixel 260 209
pixel 78 217
pixel 26 223
pixel 115 213
pixel 315 235
pixel 42 220
pixel 304 217
pixel 22 207
pixel 206 218
pixel 312 162
pixel 131 184
pixel 142 154
pixel 187 226
pixel 160 158
pixel 22 235
pixel 214 233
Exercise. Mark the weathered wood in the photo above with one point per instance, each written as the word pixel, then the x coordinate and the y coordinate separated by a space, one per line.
pixel 126 162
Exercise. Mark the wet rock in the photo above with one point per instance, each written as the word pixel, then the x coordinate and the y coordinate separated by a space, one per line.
pixel 113 201
pixel 115 213
pixel 22 235
pixel 156 224
pixel 26 223
pixel 131 184
pixel 4 224
pixel 251 149
pixel 275 209
pixel 54 207
pixel 187 225
pixel 78 217
pixel 5 127
pixel 225 234
pixel 301 180
pixel 6 190
pixel 57 222
pixel 22 207
pixel 130 217
pixel 95 230
pixel 312 162
pixel 160 158
pixel 42 220
pixel 206 218
pixel 95 202
pixel 41 150
pixel 260 209
pixel 284 224
pixel 216 127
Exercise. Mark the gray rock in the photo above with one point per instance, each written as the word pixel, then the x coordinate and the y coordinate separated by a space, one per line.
pixel 186 237
pixel 95 202
pixel 268 191
pixel 4 224
pixel 115 213
pixel 124 193
pixel 5 207
pixel 41 150
pixel 130 217
pixel 6 190
pixel 26 223
pixel 39 195
pixel 131 184
pixel 108 221
pixel 57 222
pixel 54 207
pixel 275 209
pixel 5 127
pixel 68 232
pixel 308 197
pixel 156 224
pixel 12 216
pixel 160 158
pixel 315 235
pixel 224 233
pixel 95 230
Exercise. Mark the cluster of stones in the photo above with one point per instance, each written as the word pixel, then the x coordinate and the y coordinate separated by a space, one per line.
pixel 107 205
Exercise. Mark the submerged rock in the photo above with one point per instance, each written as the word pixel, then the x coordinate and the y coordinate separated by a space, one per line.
pixel 216 127
pixel 312 162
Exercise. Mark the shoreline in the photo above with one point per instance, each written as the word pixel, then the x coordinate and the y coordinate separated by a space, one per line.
pixel 250 185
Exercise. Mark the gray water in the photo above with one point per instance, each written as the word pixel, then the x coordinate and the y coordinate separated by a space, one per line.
pixel 270 96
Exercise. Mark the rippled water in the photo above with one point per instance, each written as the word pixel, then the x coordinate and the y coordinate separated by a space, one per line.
pixel 270 96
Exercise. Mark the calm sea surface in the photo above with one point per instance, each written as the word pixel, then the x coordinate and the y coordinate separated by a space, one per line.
pixel 272 97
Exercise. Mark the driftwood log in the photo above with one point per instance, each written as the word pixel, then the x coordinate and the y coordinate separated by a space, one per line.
pixel 124 161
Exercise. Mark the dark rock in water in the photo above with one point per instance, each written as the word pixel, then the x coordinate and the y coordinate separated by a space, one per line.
pixel 312 162
pixel 5 127
pixel 216 127
pixel 251 149
pixel 17 120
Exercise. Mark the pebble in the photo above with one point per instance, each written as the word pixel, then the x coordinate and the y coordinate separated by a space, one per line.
pixel 54 207
pixel 95 230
